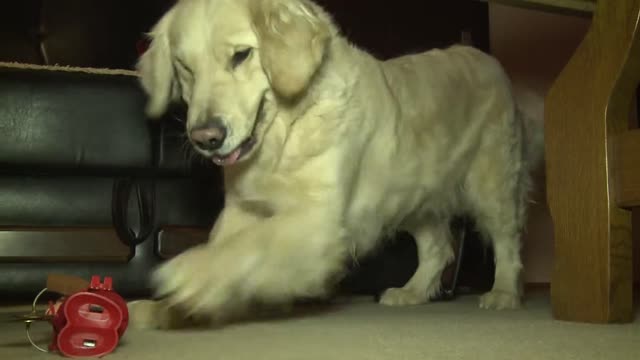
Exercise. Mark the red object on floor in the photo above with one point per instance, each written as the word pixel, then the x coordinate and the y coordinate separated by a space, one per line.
pixel 90 323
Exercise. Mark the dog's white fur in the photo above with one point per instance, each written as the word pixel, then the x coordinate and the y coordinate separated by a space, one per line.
pixel 349 149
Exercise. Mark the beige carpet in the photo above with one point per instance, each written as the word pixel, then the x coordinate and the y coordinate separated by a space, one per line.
pixel 361 329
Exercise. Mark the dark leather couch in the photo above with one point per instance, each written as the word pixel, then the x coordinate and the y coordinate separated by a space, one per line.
pixel 88 185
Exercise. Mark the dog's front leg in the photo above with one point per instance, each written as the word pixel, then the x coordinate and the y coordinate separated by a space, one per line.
pixel 275 260
pixel 161 314
pixel 231 220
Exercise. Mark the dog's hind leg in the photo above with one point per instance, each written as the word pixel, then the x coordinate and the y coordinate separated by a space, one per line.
pixel 496 190
pixel 505 235
pixel 433 240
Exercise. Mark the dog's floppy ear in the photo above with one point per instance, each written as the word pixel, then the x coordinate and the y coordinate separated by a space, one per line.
pixel 293 36
pixel 156 71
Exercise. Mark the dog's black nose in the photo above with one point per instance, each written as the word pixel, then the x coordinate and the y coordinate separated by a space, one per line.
pixel 209 136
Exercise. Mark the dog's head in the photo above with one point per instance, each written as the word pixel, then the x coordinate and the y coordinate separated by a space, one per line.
pixel 225 59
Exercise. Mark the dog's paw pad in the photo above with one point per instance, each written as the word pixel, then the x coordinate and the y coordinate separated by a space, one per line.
pixel 402 297
pixel 500 300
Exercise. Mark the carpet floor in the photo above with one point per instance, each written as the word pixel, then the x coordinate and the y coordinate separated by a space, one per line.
pixel 360 329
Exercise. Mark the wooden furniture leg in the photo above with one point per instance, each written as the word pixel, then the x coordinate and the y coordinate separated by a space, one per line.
pixel 587 109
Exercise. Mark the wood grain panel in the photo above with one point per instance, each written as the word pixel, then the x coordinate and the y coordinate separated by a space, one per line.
pixel 636 250
pixel 588 106
pixel 174 240
pixel 628 169
pixel 62 245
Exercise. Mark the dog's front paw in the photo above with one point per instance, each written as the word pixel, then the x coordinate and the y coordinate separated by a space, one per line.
pixel 145 315
pixel 195 281
pixel 500 300
pixel 402 297
pixel 158 315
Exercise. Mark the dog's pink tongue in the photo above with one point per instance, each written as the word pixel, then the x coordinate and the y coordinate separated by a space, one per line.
pixel 229 160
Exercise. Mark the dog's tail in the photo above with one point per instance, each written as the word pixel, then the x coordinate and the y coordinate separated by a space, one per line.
pixel 531 111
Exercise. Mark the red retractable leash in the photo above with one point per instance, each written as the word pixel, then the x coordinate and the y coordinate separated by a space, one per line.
pixel 86 323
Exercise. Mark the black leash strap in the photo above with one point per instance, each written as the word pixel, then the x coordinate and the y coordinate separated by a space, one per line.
pixel 145 200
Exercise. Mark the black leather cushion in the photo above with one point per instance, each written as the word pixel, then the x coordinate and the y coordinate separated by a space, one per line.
pixel 190 201
pixel 76 149
pixel 55 201
pixel 72 120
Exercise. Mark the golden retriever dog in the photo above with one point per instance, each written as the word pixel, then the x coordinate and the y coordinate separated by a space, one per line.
pixel 327 149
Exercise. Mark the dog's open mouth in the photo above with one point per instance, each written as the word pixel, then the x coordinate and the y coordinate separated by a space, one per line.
pixel 246 146
pixel 236 154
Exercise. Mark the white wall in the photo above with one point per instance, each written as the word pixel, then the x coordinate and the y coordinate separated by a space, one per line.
pixel 534 46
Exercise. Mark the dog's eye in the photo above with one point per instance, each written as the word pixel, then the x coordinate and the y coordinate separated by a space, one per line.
pixel 239 57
